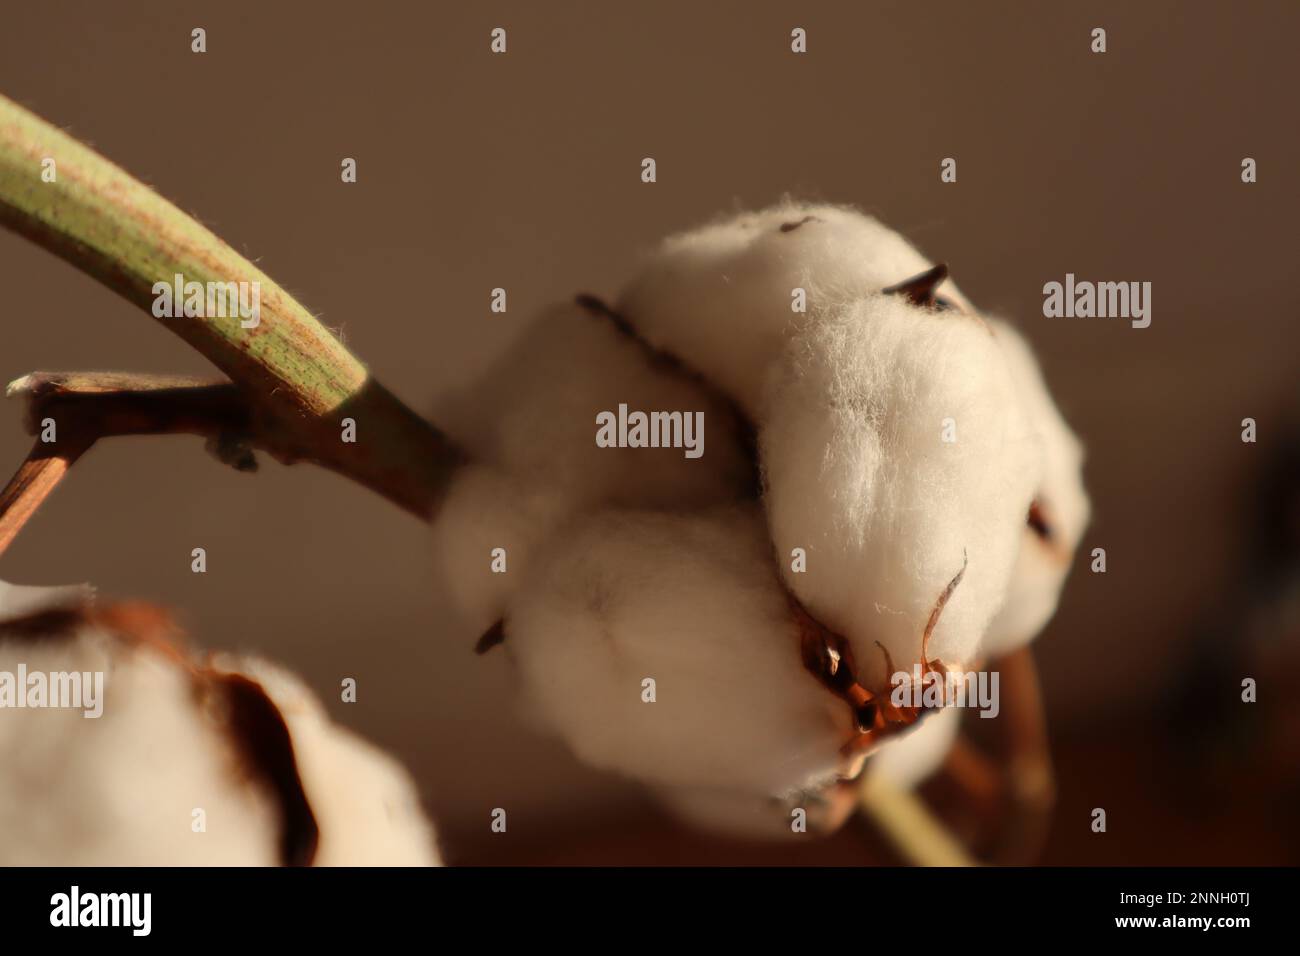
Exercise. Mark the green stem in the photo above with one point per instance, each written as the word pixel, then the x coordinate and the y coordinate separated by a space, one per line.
pixel 289 367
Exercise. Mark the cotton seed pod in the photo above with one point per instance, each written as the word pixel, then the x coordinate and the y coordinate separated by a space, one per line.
pixel 721 296
pixel 895 451
pixel 692 604
pixel 530 427
pixel 1060 510
pixel 185 763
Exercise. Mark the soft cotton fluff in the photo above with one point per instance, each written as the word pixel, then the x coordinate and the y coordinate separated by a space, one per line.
pixel 530 427
pixel 1046 552
pixel 859 474
pixel 720 296
pixel 175 737
pixel 693 603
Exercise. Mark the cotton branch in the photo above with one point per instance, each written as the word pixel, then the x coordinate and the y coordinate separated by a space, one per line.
pixel 295 379
pixel 80 408
pixel 35 479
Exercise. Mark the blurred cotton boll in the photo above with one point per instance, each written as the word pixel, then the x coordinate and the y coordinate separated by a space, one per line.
pixel 1061 507
pixel 895 449
pixel 187 763
pixel 720 296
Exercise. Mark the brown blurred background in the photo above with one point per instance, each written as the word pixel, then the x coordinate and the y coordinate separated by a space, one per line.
pixel 522 171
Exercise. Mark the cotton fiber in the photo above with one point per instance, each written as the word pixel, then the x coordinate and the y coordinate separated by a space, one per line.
pixel 720 296
pixel 692 604
pixel 895 451
pixel 531 426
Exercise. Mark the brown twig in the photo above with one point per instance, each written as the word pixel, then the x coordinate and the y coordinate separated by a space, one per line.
pixel 83 407
pixel 35 480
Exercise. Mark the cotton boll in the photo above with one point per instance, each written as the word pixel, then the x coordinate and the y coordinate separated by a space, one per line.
pixel 531 425
pixel 121 789
pixel 185 764
pixel 858 473
pixel 694 604
pixel 1046 551
pixel 720 297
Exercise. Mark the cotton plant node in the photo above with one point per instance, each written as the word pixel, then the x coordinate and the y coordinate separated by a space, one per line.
pixel 636 563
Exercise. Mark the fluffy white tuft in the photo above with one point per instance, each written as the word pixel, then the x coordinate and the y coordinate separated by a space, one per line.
pixel 531 425
pixel 693 603
pixel 720 296
pixel 858 473
pixel 485 509
pixel 1042 565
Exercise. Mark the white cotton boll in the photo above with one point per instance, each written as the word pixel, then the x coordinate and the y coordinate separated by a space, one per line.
pixel 907 760
pixel 181 766
pixel 692 603
pixel 531 425
pixel 720 296
pixel 858 473
pixel 121 789
pixel 1043 563
pixel 365 803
